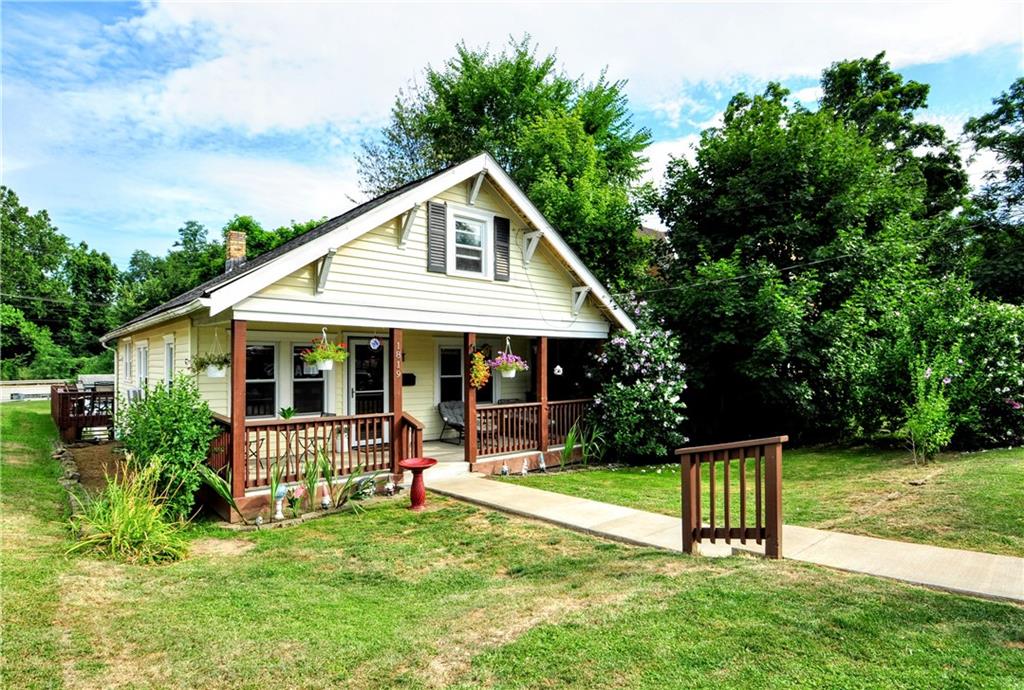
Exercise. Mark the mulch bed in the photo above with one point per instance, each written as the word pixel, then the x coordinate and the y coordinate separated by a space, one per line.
pixel 95 461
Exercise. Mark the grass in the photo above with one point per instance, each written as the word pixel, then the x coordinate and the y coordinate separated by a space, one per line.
pixel 969 501
pixel 461 597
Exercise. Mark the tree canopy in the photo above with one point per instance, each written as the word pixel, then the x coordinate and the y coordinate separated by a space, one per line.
pixel 570 145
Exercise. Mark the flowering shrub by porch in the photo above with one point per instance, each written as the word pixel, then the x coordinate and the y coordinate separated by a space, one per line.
pixel 325 351
pixel 929 425
pixel 639 404
pixel 506 361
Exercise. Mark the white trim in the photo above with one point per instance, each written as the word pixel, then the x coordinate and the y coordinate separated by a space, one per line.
pixel 246 284
pixel 487 234
pixel 445 343
pixel 406 226
pixel 530 242
pixel 276 380
pixel 168 315
pixel 579 294
pixel 350 378
pixel 323 270
pixel 474 191
pixel 141 364
pixel 169 355
pixel 227 295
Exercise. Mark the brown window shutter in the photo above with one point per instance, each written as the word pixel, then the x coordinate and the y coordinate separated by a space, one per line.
pixel 437 237
pixel 502 263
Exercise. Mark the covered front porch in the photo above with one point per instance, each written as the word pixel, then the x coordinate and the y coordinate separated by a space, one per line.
pixel 381 406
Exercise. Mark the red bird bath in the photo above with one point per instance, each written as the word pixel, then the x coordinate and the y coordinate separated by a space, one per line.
pixel 418 493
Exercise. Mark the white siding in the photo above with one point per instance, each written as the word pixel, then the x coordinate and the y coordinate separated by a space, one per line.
pixel 154 338
pixel 372 282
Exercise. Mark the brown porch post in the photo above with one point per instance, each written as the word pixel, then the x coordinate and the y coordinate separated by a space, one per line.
pixel 398 450
pixel 773 500
pixel 239 330
pixel 542 392
pixel 469 345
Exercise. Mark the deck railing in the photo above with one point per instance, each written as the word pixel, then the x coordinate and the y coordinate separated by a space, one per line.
pixel 735 479
pixel 357 443
pixel 75 410
pixel 516 427
pixel 564 414
pixel 408 437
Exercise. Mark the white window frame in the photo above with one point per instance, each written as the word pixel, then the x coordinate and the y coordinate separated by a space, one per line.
pixel 169 358
pixel 487 218
pixel 126 361
pixel 142 364
pixel 458 345
pixel 325 378
pixel 276 380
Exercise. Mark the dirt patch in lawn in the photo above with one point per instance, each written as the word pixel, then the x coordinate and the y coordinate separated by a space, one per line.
pixel 18 454
pixel 96 462
pixel 210 546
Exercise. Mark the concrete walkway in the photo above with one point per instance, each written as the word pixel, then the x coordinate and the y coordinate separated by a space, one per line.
pixel 955 570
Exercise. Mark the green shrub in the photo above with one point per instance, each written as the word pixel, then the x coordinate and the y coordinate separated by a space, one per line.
pixel 128 520
pixel 639 405
pixel 174 423
pixel 929 425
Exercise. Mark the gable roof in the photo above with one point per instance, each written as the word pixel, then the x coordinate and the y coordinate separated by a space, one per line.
pixel 225 290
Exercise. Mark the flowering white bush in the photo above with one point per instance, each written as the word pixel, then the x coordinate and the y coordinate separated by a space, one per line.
pixel 639 404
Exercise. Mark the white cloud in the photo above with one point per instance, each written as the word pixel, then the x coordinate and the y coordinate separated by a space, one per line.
pixel 280 65
pixel 808 95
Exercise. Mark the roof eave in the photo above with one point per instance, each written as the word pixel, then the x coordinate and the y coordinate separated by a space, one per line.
pixel 156 319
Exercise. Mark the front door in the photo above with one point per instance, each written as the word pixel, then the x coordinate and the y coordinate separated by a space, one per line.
pixel 368 380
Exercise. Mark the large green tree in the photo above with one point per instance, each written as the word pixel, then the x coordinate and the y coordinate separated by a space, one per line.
pixel 998 211
pixel 570 145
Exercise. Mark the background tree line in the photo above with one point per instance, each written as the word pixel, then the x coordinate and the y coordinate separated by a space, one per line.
pixel 57 297
pixel 821 265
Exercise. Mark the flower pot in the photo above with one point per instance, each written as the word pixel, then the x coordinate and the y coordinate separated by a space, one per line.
pixel 508 373
pixel 325 365
pixel 215 372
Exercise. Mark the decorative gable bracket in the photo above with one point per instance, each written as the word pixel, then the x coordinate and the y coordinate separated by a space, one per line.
pixel 530 242
pixel 406 227
pixel 322 270
pixel 475 189
pixel 579 294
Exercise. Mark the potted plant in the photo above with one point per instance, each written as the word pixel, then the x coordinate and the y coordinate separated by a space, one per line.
pixel 508 364
pixel 212 363
pixel 324 354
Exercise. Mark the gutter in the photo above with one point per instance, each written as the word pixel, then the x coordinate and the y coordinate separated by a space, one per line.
pixel 176 312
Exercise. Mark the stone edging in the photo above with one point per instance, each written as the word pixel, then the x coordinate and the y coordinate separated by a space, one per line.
pixel 70 478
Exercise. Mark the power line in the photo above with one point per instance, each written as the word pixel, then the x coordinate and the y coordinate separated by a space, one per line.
pixel 65 302
pixel 783 269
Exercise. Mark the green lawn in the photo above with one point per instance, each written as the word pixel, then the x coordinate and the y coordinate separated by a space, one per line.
pixel 458 597
pixel 970 501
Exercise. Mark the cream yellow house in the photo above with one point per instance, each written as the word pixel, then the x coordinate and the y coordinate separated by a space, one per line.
pixel 412 282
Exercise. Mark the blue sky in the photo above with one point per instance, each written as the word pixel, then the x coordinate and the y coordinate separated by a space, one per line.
pixel 124 120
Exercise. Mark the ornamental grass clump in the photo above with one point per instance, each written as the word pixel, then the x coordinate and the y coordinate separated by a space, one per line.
pixel 129 521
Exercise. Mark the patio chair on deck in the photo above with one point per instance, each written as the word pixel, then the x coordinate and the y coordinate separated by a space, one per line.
pixel 453 415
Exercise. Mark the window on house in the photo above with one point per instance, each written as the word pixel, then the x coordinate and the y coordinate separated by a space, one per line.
pixel 307 385
pixel 142 366
pixel 450 382
pixel 260 381
pixel 126 362
pixel 469 245
pixel 168 360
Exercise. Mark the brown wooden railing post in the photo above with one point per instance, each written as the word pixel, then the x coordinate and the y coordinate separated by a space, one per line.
pixel 543 426
pixel 239 447
pixel 773 503
pixel 469 416
pixel 767 456
pixel 397 439
pixel 690 469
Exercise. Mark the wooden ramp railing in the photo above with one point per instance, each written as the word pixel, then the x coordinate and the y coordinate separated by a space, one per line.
pixel 74 410
pixel 733 459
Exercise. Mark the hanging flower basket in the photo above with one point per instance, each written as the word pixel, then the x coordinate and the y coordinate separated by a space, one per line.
pixel 324 353
pixel 479 372
pixel 212 364
pixel 508 364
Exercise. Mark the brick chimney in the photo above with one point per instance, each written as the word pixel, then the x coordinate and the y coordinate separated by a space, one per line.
pixel 235 250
